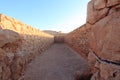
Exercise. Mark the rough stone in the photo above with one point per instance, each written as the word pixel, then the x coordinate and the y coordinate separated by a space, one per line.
pixel 8 36
pixel 99 4
pixel 17 68
pixel 95 15
pixel 91 59
pixel 107 72
pixel 9 58
pixel 6 73
pixel 114 9
pixel 78 40
pixel 2 54
pixel 112 2
pixel 105 37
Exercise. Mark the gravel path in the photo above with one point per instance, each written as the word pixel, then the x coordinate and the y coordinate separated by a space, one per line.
pixel 59 62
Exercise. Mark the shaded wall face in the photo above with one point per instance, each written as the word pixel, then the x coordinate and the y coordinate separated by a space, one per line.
pixel 59 39
pixel 31 43
pixel 78 40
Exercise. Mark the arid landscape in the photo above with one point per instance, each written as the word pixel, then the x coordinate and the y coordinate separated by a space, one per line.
pixel 90 52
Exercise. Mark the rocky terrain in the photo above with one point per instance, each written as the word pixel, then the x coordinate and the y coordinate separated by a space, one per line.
pixel 97 41
pixel 102 43
pixel 19 44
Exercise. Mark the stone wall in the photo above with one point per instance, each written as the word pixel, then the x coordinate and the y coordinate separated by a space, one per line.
pixel 19 44
pixel 58 36
pixel 103 20
pixel 78 40
pixel 104 17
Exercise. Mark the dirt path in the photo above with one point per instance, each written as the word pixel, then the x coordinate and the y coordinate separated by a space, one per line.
pixel 59 62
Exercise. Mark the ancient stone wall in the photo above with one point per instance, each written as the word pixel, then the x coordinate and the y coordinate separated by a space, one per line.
pixel 103 18
pixel 59 39
pixel 19 44
pixel 78 40
pixel 58 36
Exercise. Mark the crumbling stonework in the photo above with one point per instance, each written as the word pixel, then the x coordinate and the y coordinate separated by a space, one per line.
pixel 19 44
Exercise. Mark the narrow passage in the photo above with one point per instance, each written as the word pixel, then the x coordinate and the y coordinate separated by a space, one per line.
pixel 59 62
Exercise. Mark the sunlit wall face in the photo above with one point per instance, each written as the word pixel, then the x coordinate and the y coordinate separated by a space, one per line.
pixel 59 15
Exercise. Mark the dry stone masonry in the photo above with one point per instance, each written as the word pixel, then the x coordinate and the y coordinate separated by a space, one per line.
pixel 103 49
pixel 19 44
pixel 78 40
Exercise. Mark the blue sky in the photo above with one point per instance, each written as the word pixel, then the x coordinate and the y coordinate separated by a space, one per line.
pixel 59 15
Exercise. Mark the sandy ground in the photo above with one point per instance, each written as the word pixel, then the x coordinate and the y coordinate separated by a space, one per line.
pixel 59 62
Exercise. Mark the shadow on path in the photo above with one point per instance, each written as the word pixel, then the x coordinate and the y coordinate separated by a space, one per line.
pixel 59 62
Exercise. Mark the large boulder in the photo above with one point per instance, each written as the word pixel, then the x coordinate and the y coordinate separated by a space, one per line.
pixel 105 37
pixel 94 15
pixel 8 36
pixel 107 72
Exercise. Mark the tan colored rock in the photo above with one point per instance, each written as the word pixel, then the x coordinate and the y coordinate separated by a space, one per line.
pixel 78 40
pixel 9 59
pixel 19 49
pixel 16 68
pixel 95 15
pixel 91 59
pixel 114 9
pixel 106 37
pixel 8 36
pixel 112 2
pixel 3 40
pixel 96 76
pixel 12 47
pixel 2 54
pixel 6 73
pixel 99 4
pixel 108 72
